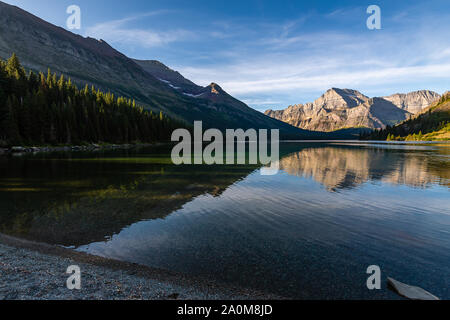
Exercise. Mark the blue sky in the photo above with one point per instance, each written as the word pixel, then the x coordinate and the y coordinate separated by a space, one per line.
pixel 271 54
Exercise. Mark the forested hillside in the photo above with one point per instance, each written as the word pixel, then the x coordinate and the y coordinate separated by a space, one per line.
pixel 41 45
pixel 430 125
pixel 37 109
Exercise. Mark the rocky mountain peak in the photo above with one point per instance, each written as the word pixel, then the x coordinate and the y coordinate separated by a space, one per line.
pixel 336 98
pixel 413 102
pixel 215 88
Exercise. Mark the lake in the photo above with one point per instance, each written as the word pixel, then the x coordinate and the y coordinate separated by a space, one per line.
pixel 308 232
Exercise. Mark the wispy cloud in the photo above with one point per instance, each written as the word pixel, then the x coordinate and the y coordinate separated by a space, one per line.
pixel 261 101
pixel 293 63
pixel 117 31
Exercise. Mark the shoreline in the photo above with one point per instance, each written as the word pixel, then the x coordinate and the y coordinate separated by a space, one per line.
pixel 18 150
pixel 32 270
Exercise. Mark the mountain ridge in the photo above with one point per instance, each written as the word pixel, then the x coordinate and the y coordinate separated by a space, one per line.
pixel 347 108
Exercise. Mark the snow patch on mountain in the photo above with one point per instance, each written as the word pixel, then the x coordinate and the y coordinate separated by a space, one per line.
pixel 193 95
pixel 169 83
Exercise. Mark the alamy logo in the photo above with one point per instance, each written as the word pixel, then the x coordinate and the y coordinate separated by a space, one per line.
pixel 374 21
pixel 374 280
pixel 74 20
pixel 220 152
pixel 74 281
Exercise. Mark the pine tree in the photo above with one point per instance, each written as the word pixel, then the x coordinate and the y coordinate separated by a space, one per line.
pixel 14 68
pixel 11 126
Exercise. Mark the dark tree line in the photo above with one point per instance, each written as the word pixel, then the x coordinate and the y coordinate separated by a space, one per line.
pixel 37 109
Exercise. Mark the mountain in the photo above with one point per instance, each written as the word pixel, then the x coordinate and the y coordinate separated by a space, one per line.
pixel 346 108
pixel 413 102
pixel 430 124
pixel 41 45
pixel 168 76
pixel 213 93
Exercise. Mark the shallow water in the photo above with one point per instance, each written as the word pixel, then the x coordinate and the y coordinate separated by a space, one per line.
pixel 309 231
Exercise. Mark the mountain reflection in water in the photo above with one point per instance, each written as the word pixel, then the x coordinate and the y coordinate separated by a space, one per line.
pixel 309 231
pixel 338 167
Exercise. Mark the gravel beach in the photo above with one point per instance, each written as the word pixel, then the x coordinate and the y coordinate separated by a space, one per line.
pixel 30 270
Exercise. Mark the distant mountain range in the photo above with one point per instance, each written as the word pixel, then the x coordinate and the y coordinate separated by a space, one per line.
pixel 345 108
pixel 41 45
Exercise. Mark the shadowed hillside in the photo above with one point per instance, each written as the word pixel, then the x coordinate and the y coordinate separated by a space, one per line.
pixel 432 124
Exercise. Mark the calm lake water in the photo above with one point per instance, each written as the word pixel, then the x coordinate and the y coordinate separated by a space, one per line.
pixel 308 232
